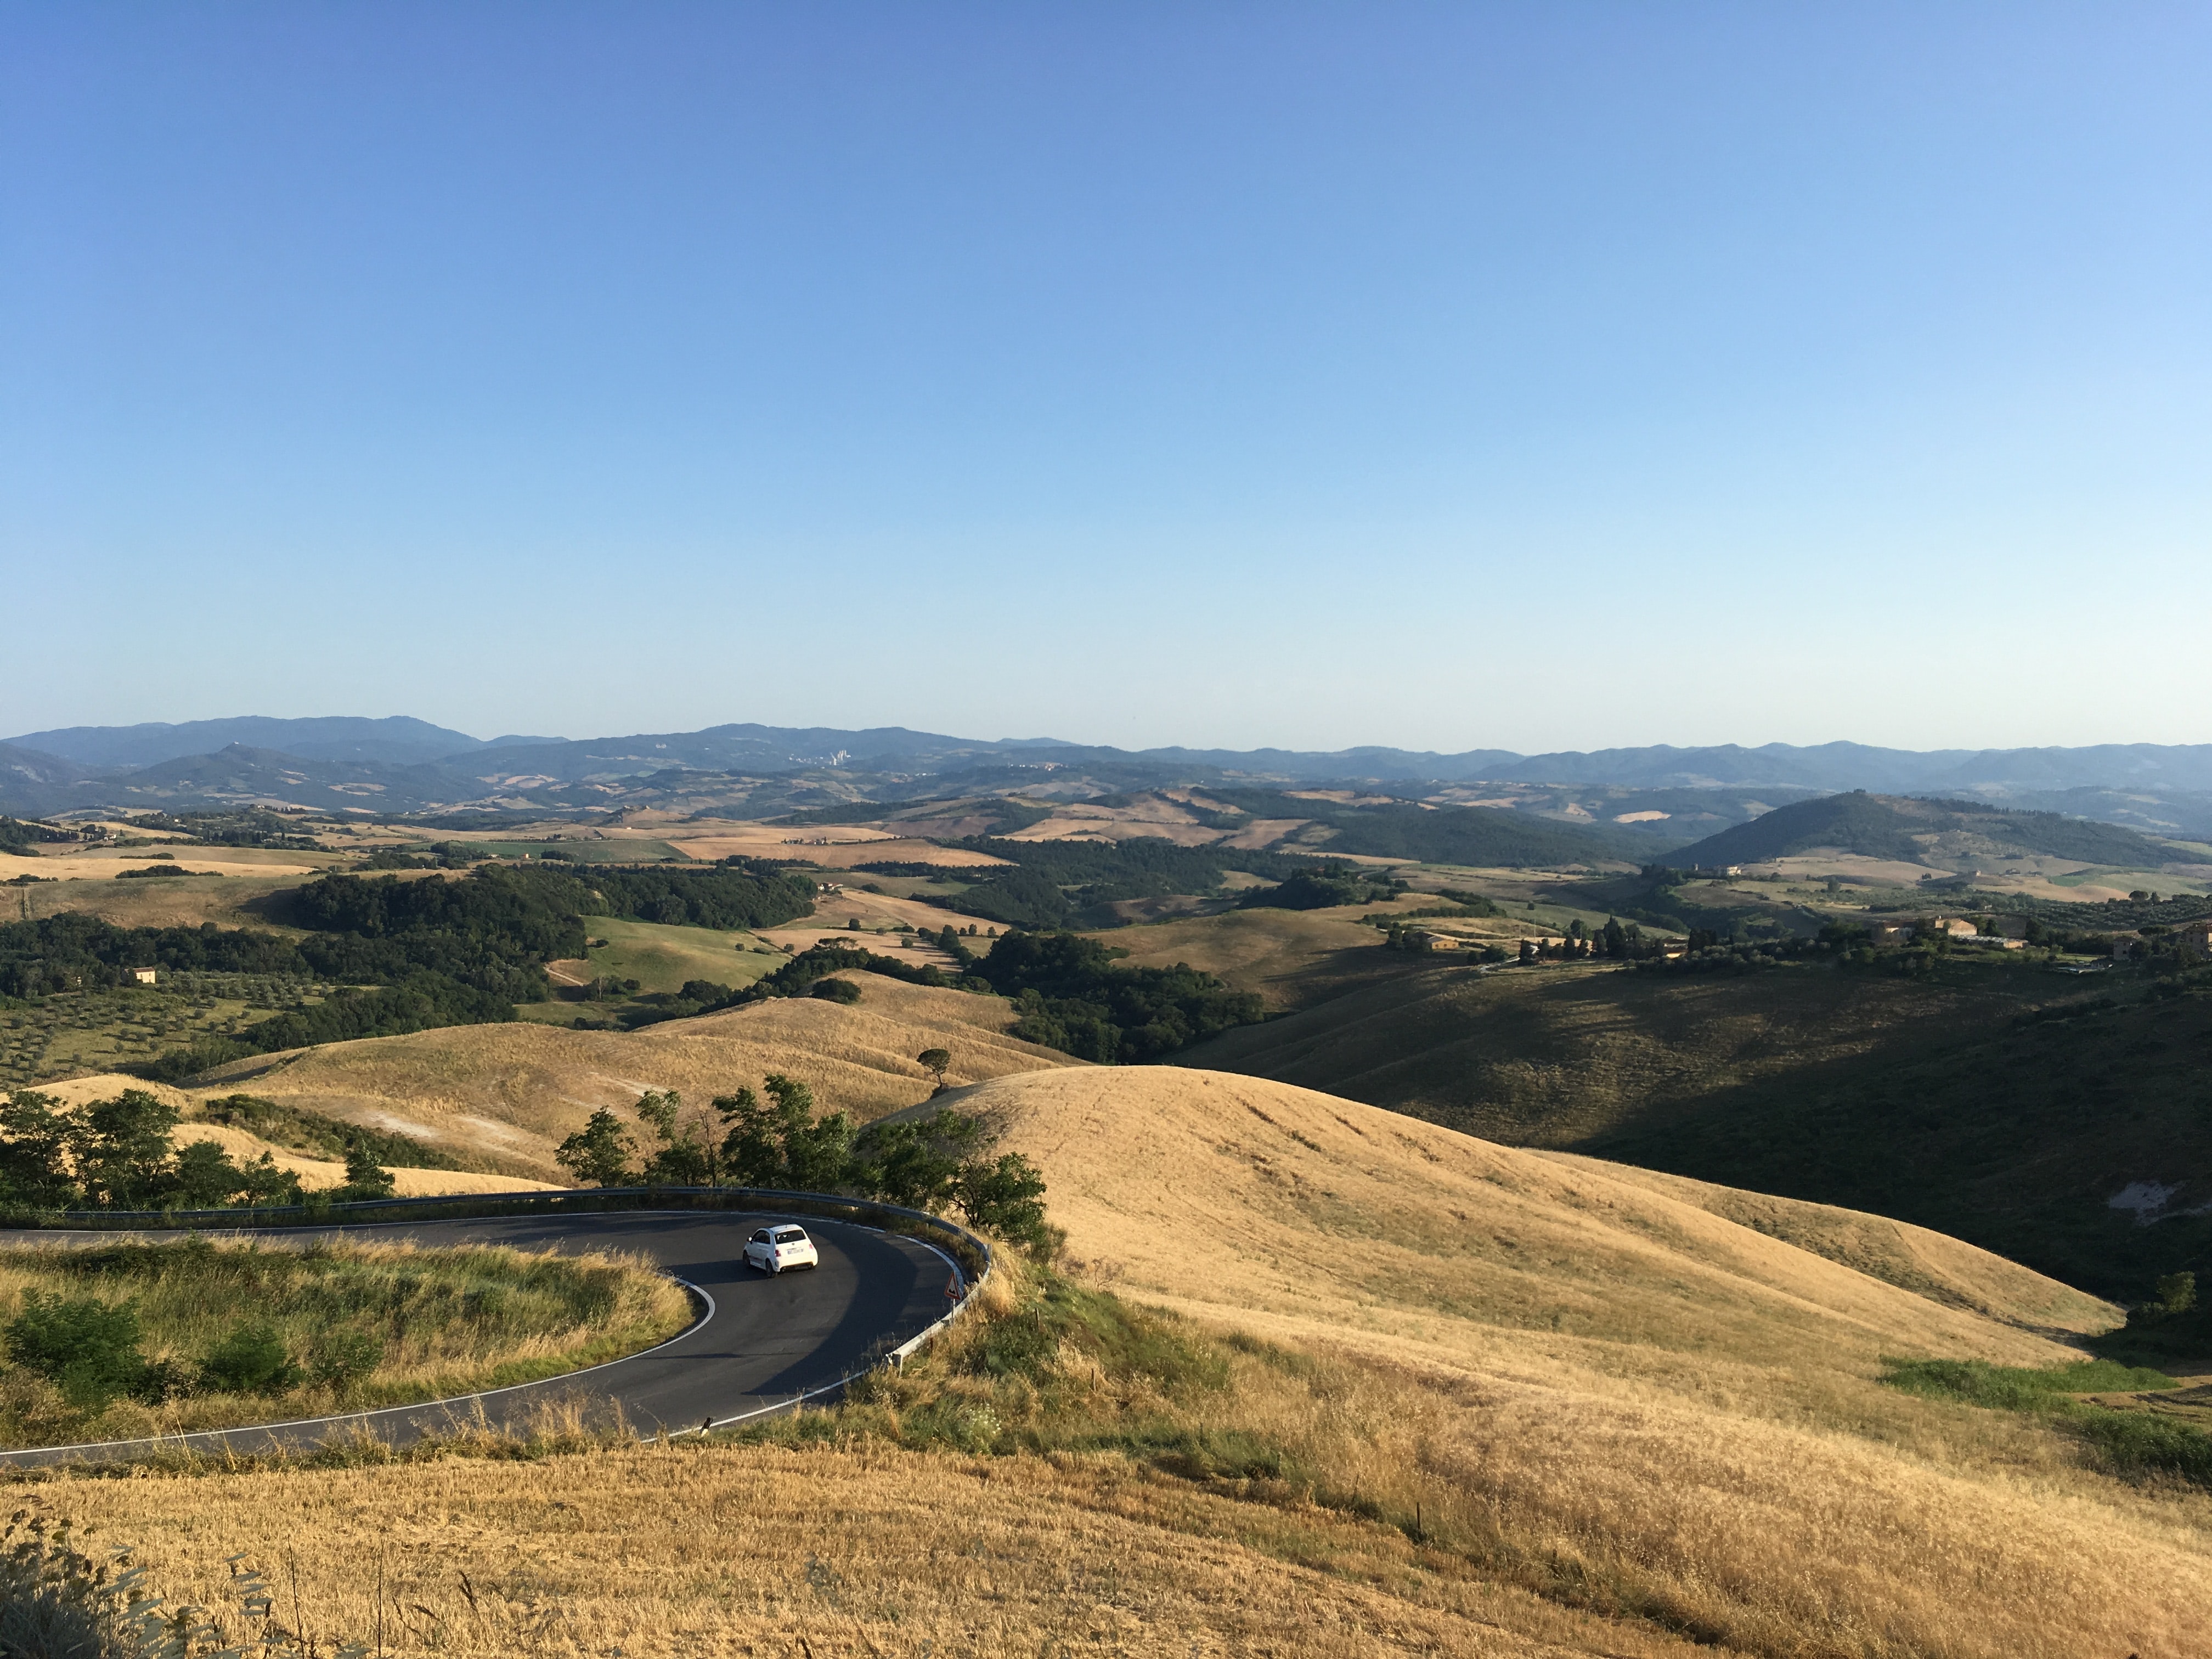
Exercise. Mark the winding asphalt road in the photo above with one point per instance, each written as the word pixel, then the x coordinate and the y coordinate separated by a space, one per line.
pixel 761 1343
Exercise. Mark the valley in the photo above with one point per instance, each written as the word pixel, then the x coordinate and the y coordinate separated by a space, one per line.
pixel 1520 1190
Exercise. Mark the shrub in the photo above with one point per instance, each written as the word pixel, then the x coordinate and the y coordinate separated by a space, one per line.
pixel 86 1347
pixel 2014 1387
pixel 836 990
pixel 343 1359
pixel 2138 1443
pixel 252 1359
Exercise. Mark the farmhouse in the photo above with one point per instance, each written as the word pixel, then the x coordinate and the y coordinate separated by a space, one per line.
pixel 2195 939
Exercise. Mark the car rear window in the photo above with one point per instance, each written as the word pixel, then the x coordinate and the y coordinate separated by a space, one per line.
pixel 794 1236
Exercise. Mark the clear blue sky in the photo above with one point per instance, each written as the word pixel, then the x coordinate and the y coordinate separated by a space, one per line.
pixel 1537 375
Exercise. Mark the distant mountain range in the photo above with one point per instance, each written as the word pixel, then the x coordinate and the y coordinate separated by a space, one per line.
pixel 403 765
pixel 400 740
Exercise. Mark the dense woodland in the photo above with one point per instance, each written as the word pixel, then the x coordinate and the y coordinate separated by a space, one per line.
pixel 1072 997
pixel 1058 883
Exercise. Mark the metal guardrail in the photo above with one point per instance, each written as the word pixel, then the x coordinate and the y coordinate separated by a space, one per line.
pixel 586 1200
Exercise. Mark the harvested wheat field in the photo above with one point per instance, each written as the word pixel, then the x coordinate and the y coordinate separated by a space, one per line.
pixel 685 1550
pixel 506 1095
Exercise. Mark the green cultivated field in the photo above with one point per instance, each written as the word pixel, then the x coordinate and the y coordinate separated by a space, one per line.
pixel 659 958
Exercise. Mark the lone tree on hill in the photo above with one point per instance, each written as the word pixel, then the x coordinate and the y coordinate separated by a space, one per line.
pixel 935 1061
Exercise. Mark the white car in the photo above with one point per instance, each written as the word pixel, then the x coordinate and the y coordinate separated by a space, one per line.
pixel 774 1249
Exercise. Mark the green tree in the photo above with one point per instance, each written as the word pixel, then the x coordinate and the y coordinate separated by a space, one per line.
pixel 783 1144
pixel 598 1153
pixel 266 1181
pixel 34 1156
pixel 751 1154
pixel 2177 1292
pixel 204 1178
pixel 816 1150
pixel 122 1149
pixel 936 1063
pixel 1007 1197
pixel 914 1162
pixel 684 1157
pixel 364 1177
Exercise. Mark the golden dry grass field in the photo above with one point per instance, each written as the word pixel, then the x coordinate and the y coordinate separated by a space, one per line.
pixel 1287 957
pixel 879 913
pixel 856 1554
pixel 1564 1409
pixel 186 901
pixel 662 957
pixel 833 846
pixel 244 1146
pixel 505 1095
pixel 105 863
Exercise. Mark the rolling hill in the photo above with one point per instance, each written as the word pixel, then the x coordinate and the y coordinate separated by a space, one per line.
pixel 504 1096
pixel 1518 1404
pixel 1961 1103
pixel 1909 830
pixel 1593 1362
pixel 243 1145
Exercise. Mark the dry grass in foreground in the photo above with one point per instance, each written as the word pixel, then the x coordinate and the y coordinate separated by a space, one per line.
pixel 853 1551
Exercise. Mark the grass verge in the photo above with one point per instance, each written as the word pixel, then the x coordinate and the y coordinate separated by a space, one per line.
pixel 134 1339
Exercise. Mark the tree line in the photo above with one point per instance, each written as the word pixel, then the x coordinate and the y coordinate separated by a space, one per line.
pixel 121 1154
pixel 783 1144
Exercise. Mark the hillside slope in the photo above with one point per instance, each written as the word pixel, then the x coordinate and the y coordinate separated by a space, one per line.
pixel 1908 828
pixel 1552 1057
pixel 1539 1386
pixel 504 1096
pixel 1961 1104
pixel 1656 1390
pixel 244 1146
